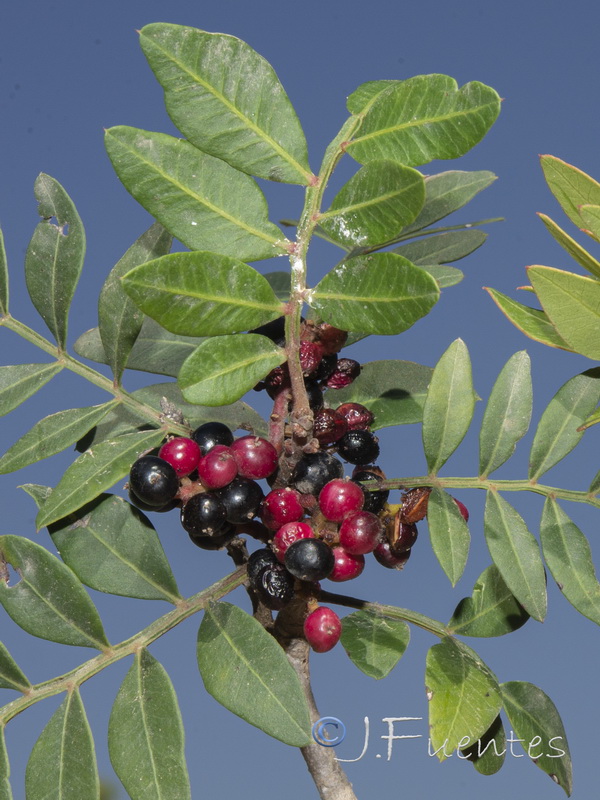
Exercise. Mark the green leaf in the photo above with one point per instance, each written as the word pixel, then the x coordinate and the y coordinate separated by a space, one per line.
pixel 516 554
pixel 21 381
pixel 63 761
pixel 572 247
pixel 442 248
pixel 52 435
pixel 112 547
pixel 376 203
pixel 366 94
pixel 247 671
pixel 571 187
pixel 3 277
pixel 202 294
pixel 487 753
pixel 463 693
pixel 374 643
pixel 94 471
pixel 223 369
pixel 444 276
pixel 394 391
pixel 569 559
pixel 492 609
pixel 227 100
pixel 380 293
pixel 280 283
pixel 507 414
pixel 590 216
pixel 535 720
pixel 449 534
pixel 531 321
pixel 145 734
pixel 201 200
pixel 5 790
pixel 11 676
pixel 425 118
pixel 55 256
pixel 120 320
pixel 48 601
pixel 557 433
pixel 449 405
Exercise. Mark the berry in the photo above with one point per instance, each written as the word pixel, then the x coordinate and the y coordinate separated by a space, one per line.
pixel 218 467
pixel 322 629
pixel 314 470
pixel 281 506
pixel 326 368
pixel 256 457
pixel 329 426
pixel 214 542
pixel 340 497
pixel 204 515
pixel 347 566
pixel 463 509
pixel 309 559
pixel 242 499
pixel 403 538
pixel 135 501
pixel 258 560
pixel 182 454
pixel 153 480
pixel 315 395
pixel 358 417
pixel 374 501
pixel 346 371
pixel 386 558
pixel 358 447
pixel 332 339
pixel 414 505
pixel 311 354
pixel 288 534
pixel 211 433
pixel 275 586
pixel 360 532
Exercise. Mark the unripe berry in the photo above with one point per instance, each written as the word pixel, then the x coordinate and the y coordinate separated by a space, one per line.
pixel 281 506
pixel 322 629
pixel 218 467
pixel 256 457
pixel 463 509
pixel 182 454
pixel 346 565
pixel 287 535
pixel 340 497
pixel 210 434
pixel 360 532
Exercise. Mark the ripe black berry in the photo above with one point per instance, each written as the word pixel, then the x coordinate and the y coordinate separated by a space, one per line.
pixel 374 501
pixel 204 515
pixel 309 559
pixel 315 395
pixel 358 447
pixel 153 481
pixel 275 586
pixel 242 499
pixel 258 560
pixel 314 470
pixel 214 542
pixel 211 433
pixel 327 367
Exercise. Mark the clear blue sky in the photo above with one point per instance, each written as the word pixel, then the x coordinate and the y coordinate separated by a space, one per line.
pixel 67 70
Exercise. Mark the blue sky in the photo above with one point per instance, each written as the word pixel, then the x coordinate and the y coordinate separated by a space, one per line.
pixel 68 70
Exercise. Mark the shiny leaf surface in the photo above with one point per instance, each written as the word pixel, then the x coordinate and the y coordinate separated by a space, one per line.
pixel 374 643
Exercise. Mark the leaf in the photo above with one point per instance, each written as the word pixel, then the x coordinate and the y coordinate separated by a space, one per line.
pixel 366 94
pixel 492 610
pixel 444 276
pixel 487 753
pixel 571 187
pixel 507 414
pixel 574 249
pixel 145 734
pixel 376 203
pixel 590 215
pixel 449 405
pixel 21 381
pixel 463 693
pixel 3 277
pixel 557 433
pixel 536 721
pixel 94 471
pixel 48 601
pixel 569 559
pixel 5 790
pixel 201 200
pixel 112 547
pixel 531 321
pixel 441 248
pixel 54 258
pixel 380 293
pixel 11 676
pixel 227 100
pixel 424 118
pixel 63 761
pixel 394 391
pixel 247 671
pixel 374 643
pixel 516 554
pixel 223 369
pixel 51 435
pixel 449 534
pixel 202 294
pixel 571 302
pixel 280 283
pixel 120 321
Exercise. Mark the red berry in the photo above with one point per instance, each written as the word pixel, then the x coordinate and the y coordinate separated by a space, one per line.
pixel 357 416
pixel 329 426
pixel 346 370
pixel 332 339
pixel 311 354
pixel 281 506
pixel 386 558
pixel 463 509
pixel 339 497
pixel 322 629
pixel 256 457
pixel 182 454
pixel 288 534
pixel 218 467
pixel 360 532
pixel 347 566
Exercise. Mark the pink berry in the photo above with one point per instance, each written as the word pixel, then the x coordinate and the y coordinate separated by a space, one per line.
pixel 217 468
pixel 287 535
pixel 322 629
pixel 360 532
pixel 463 509
pixel 357 416
pixel 281 506
pixel 339 497
pixel 347 566
pixel 256 457
pixel 182 454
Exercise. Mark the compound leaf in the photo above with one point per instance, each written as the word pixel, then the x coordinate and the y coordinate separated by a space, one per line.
pixel 19 382
pixel 449 534
pixel 374 643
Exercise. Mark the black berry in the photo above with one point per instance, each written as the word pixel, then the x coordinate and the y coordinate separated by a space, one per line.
pixel 214 542
pixel 242 499
pixel 309 559
pixel 258 560
pixel 211 433
pixel 314 470
pixel 374 501
pixel 153 481
pixel 275 586
pixel 204 515
pixel 358 447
